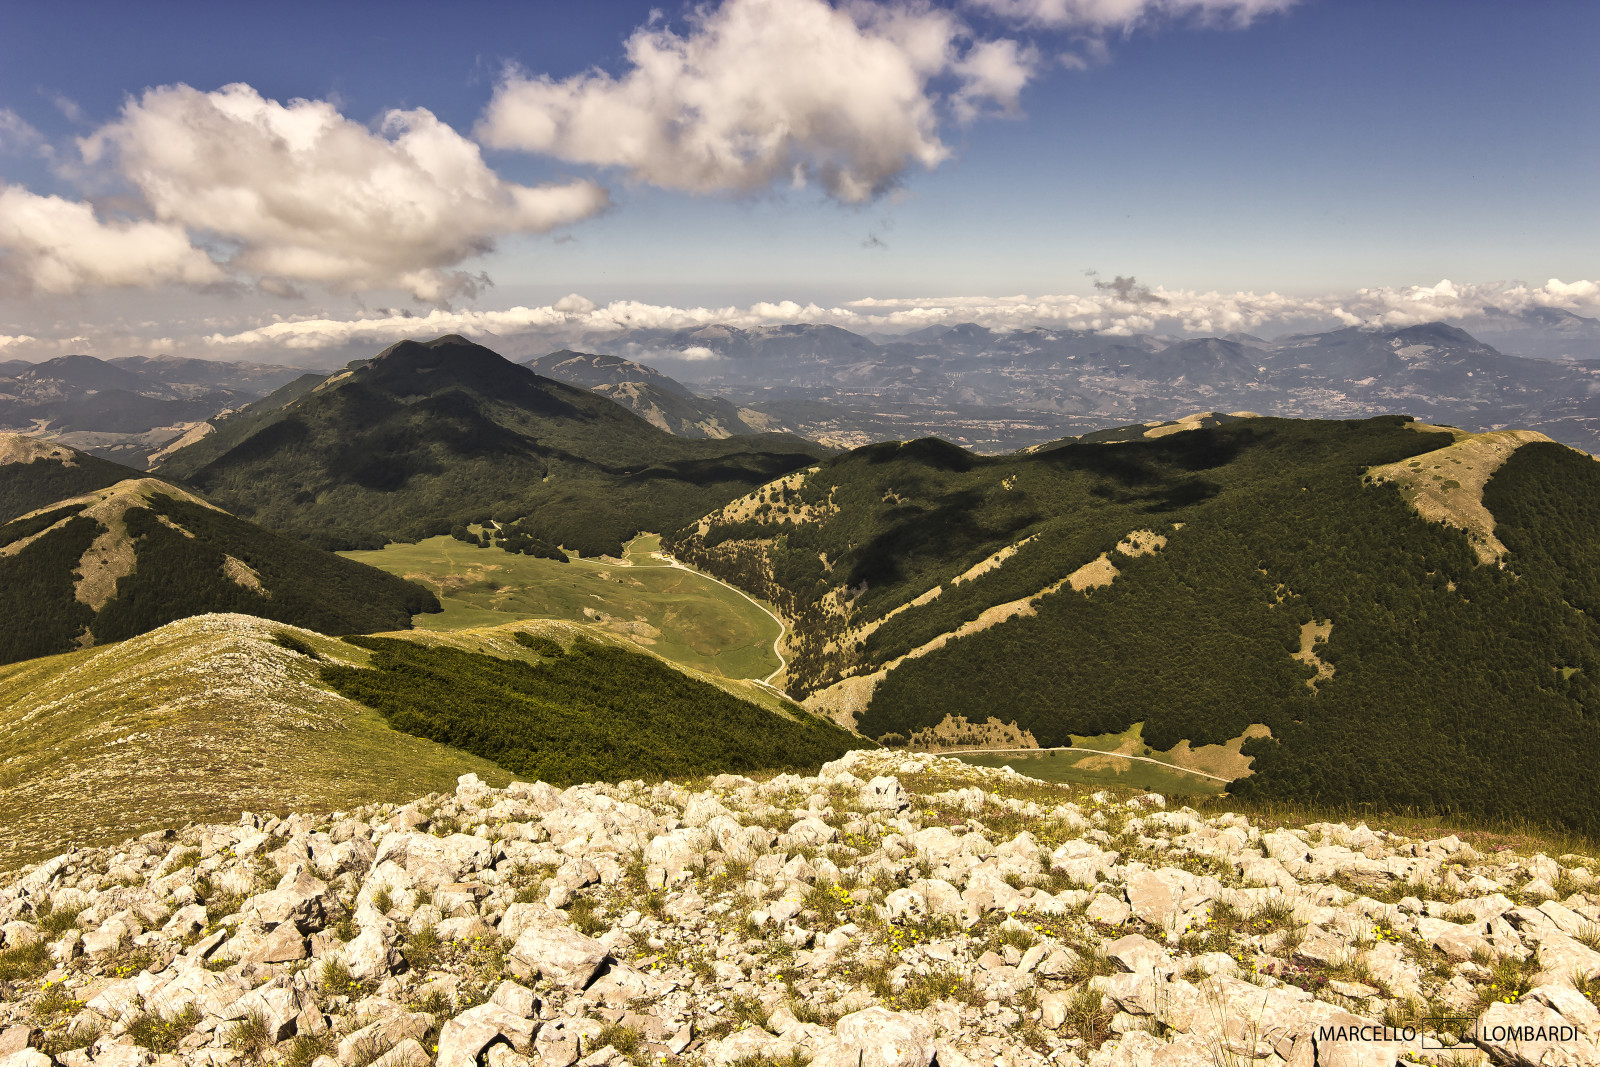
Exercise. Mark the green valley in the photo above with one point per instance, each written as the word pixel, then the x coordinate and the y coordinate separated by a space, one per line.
pixel 684 616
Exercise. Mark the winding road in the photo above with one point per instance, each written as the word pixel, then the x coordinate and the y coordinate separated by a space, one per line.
pixel 783 627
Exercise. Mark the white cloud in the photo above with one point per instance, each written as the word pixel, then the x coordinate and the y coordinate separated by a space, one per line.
pixel 300 193
pixel 1103 16
pixel 760 92
pixel 993 72
pixel 16 135
pixel 1124 311
pixel 52 245
pixel 8 339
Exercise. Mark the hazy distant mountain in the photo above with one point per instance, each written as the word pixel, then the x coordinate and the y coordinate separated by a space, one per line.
pixel 659 400
pixel 91 552
pixel 1094 380
pixel 126 408
pixel 427 436
pixel 1540 333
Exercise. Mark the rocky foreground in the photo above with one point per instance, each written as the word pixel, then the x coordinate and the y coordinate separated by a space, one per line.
pixel 893 911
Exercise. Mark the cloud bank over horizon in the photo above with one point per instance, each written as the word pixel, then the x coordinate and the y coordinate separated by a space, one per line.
pixel 1124 307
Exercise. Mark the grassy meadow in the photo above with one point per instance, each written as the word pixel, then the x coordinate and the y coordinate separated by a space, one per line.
pixel 195 721
pixel 677 613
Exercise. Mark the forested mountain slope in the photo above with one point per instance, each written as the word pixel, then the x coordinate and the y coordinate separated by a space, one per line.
pixel 135 553
pixel 426 436
pixel 34 473
pixel 649 394
pixel 1260 571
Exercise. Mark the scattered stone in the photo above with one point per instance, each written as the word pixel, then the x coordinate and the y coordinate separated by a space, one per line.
pixel 759 902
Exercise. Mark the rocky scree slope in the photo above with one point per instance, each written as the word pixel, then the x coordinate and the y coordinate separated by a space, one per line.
pixel 892 912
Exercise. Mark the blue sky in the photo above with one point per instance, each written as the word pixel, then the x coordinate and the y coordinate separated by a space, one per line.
pixel 1314 148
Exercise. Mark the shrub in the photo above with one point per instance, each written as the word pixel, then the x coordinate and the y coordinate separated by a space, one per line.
pixel 162 1033
pixel 249 1036
pixel 24 961
pixel 539 643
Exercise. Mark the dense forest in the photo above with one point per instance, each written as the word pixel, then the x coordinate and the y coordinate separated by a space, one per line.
pixel 426 437
pixel 39 615
pixel 26 487
pixel 581 714
pixel 1455 686
pixel 177 576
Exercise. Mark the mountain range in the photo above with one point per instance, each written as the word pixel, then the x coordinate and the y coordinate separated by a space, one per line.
pixel 126 408
pixel 992 391
pixel 1073 381
pixel 1333 611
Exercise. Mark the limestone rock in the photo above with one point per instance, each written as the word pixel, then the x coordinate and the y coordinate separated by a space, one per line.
pixel 560 954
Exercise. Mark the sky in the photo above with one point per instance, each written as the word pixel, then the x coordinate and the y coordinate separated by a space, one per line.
pixel 250 181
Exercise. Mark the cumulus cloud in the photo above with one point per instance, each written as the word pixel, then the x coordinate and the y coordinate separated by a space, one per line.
pixel 761 92
pixel 1102 16
pixel 1114 309
pixel 300 193
pixel 52 245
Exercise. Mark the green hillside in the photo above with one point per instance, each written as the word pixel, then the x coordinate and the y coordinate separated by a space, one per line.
pixel 428 436
pixel 196 721
pixel 127 558
pixel 35 474
pixel 1274 583
pixel 580 712
pixel 675 612
pixel 212 715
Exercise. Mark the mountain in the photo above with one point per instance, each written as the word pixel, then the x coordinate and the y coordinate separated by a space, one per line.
pixel 126 408
pixel 203 717
pixel 1067 382
pixel 118 554
pixel 1408 611
pixel 428 436
pixel 35 474
pixel 663 403
pixel 1539 333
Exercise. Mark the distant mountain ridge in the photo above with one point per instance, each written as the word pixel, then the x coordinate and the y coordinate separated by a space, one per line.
pixel 1081 380
pixel 129 407
pixel 430 435
pixel 659 400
